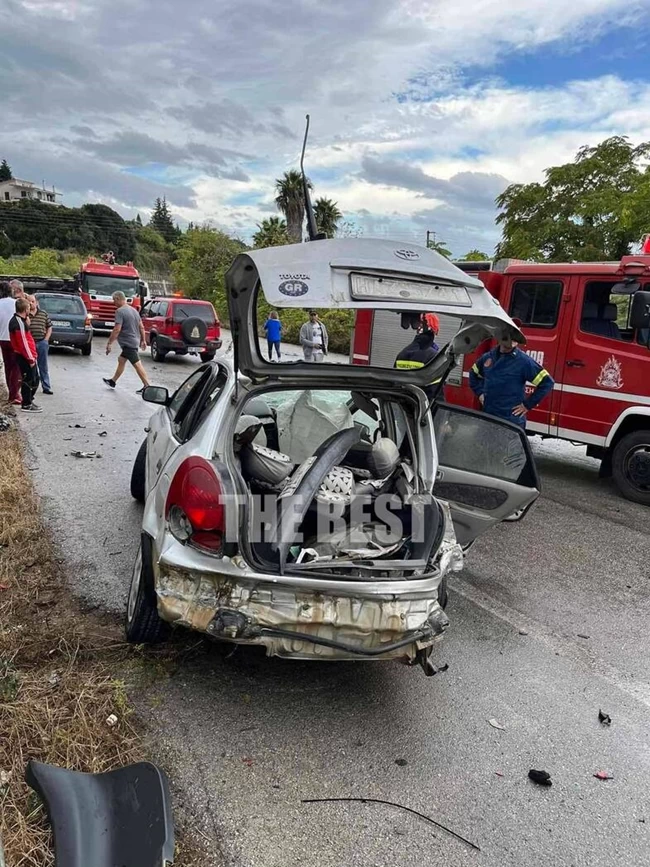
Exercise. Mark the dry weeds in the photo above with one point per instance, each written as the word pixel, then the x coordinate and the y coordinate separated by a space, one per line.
pixel 57 673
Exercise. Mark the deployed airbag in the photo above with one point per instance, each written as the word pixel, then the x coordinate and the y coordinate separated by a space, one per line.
pixel 121 818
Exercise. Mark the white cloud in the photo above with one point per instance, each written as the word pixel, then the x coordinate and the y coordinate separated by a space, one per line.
pixel 99 86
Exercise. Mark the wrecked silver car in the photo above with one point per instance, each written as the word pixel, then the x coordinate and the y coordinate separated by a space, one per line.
pixel 317 509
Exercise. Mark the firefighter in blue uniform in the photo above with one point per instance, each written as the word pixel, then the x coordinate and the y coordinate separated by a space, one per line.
pixel 499 380
pixel 421 349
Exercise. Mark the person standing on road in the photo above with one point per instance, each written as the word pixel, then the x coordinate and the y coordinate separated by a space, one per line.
pixel 499 380
pixel 23 345
pixel 314 338
pixel 17 289
pixel 273 328
pixel 130 336
pixel 40 325
pixel 422 348
pixel 12 370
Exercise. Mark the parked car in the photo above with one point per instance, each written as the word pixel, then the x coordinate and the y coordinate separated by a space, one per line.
pixel 183 326
pixel 243 462
pixel 71 322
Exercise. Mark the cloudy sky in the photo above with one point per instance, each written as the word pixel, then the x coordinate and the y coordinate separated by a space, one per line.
pixel 422 110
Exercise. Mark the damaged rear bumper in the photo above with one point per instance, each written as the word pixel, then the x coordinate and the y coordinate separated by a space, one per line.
pixel 299 617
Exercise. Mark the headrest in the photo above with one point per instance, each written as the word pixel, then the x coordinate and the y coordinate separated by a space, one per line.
pixel 337 487
pixel 590 310
pixel 248 427
pixel 383 458
pixel 610 312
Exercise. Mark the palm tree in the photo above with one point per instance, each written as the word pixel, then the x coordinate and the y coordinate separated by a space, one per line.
pixel 327 216
pixel 271 232
pixel 290 200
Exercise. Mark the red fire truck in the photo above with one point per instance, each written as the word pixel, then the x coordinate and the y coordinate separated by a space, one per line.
pixel 97 280
pixel 588 324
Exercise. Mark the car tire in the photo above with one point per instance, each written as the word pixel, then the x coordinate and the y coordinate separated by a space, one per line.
pixel 631 466
pixel 143 623
pixel 443 595
pixel 156 354
pixel 138 490
pixel 207 356
pixel 87 349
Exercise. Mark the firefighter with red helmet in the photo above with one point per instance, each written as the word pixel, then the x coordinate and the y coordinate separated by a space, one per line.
pixel 422 348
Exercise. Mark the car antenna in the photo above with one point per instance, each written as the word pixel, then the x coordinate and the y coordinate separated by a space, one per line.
pixel 314 234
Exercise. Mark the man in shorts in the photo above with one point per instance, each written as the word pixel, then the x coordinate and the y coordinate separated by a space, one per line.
pixel 130 336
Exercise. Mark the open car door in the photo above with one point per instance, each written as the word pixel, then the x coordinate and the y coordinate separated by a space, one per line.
pixel 486 470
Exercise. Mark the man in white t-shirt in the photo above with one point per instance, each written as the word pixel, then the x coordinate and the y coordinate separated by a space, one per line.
pixel 12 371
pixel 314 338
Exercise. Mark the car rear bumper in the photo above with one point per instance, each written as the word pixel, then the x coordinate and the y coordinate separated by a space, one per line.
pixel 71 338
pixel 299 617
pixel 170 344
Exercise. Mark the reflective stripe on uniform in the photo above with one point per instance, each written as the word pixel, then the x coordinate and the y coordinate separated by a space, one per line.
pixel 540 376
pixel 476 370
pixel 409 365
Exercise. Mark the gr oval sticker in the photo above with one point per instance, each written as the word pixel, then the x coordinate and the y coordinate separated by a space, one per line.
pixel 293 288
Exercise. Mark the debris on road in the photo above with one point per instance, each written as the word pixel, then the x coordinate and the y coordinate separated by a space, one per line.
pixel 402 763
pixel 84 455
pixel 523 632
pixel 582 635
pixel 604 718
pixel 443 667
pixel 5 423
pixel 103 433
pixel 603 775
pixel 496 725
pixel 77 425
pixel 111 721
pixel 392 804
pixel 542 778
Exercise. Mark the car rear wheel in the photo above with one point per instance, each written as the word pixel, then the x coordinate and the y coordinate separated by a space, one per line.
pixel 631 466
pixel 207 356
pixel 138 474
pixel 87 349
pixel 143 624
pixel 156 354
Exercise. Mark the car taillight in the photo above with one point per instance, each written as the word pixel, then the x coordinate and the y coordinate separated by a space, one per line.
pixel 88 322
pixel 194 507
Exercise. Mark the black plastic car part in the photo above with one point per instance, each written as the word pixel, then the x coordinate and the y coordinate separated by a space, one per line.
pixel 122 818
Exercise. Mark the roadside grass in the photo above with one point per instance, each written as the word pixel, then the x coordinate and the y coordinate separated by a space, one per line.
pixel 61 674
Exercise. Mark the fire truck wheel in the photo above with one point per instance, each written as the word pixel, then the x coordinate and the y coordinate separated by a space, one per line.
pixel 156 354
pixel 631 466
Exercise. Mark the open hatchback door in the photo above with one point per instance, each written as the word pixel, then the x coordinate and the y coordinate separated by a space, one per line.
pixel 350 274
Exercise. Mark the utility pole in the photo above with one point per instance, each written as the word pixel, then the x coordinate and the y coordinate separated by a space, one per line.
pixel 432 236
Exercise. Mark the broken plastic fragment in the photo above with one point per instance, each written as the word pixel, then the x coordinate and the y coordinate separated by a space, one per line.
pixel 604 718
pixel 542 778
pixel 111 721
pixel 84 454
pixel 496 725
pixel 603 775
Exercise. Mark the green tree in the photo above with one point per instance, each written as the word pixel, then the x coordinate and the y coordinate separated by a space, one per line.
pixel 438 246
pixel 327 216
pixel 475 256
pixel 591 209
pixel 161 220
pixel 138 219
pixel 203 256
pixel 290 200
pixel 5 171
pixel 271 232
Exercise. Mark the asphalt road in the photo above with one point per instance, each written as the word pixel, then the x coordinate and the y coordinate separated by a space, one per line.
pixel 549 623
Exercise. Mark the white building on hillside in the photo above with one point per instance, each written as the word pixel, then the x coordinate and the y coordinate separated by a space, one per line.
pixel 15 190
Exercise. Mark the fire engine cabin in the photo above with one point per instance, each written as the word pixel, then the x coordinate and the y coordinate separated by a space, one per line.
pixel 98 280
pixel 588 325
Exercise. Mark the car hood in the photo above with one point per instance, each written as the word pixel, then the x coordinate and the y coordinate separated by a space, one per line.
pixel 358 274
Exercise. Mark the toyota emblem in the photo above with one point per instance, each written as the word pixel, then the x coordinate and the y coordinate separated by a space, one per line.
pixel 409 255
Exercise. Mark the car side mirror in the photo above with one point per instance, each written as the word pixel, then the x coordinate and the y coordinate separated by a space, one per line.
pixel 155 394
pixel 640 311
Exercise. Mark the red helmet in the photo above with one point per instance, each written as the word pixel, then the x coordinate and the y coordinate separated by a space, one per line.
pixel 430 322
